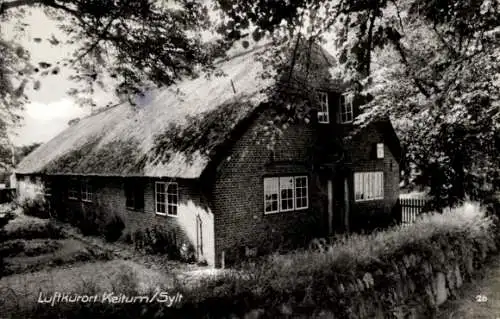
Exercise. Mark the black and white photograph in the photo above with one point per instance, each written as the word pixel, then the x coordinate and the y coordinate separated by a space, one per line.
pixel 250 159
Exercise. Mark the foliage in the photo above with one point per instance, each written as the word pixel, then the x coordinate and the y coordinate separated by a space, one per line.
pixel 305 282
pixel 135 42
pixel 34 231
pixel 4 220
pixel 424 61
pixel 157 240
pixel 113 228
pixel 23 151
pixel 204 133
pixel 10 155
pixel 130 45
pixel 36 207
pixel 431 65
pixel 95 220
pixel 28 248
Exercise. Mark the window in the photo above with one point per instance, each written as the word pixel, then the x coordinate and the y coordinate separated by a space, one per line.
pixel 134 195
pixel 346 110
pixel 301 199
pixel 286 193
pixel 72 190
pixel 87 193
pixel 271 190
pixel 368 186
pixel 323 115
pixel 283 194
pixel 47 188
pixel 380 150
pixel 167 198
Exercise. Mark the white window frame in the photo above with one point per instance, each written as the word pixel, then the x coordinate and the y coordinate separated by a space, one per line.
pixel 369 184
pixel 305 187
pixel 346 114
pixel 323 110
pixel 380 150
pixel 73 190
pixel 283 181
pixel 274 184
pixel 168 195
pixel 271 187
pixel 87 192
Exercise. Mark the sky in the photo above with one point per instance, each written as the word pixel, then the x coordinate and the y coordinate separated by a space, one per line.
pixel 50 107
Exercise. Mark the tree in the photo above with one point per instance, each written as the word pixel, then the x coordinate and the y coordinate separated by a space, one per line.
pixel 135 44
pixel 25 150
pixel 431 65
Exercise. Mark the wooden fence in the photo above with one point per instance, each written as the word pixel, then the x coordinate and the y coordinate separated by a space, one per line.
pixel 411 208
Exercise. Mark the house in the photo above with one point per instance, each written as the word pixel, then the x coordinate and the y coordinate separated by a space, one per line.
pixel 193 158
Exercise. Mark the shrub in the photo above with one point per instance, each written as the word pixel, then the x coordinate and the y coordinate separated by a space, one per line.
pixel 158 240
pixel 113 228
pixel 128 238
pixel 87 221
pixel 36 207
pixel 11 248
pixel 37 230
pixel 4 220
pixel 187 253
pixel 309 280
pixel 306 282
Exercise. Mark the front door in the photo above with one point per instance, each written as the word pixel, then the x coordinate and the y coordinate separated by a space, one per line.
pixel 199 237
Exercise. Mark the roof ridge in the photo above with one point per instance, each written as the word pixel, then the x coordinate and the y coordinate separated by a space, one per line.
pixel 240 54
pixel 223 60
pixel 102 110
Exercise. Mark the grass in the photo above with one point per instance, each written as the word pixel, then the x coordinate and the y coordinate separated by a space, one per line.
pixel 28 248
pixel 362 249
pixel 306 276
pixel 302 283
pixel 28 227
pixel 119 276
pixel 69 252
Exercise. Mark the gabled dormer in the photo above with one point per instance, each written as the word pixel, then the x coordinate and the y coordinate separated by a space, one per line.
pixel 334 108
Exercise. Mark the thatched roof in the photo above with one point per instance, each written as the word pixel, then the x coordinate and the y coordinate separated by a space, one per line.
pixel 173 132
pixel 157 137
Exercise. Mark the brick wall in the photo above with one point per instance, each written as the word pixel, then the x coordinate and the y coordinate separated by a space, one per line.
pixel 361 157
pixel 109 199
pixel 239 199
pixel 238 194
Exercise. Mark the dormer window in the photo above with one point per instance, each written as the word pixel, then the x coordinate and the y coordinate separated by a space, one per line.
pixel 346 109
pixel 323 115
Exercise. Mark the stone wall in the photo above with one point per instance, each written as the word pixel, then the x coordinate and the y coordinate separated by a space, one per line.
pixel 410 281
